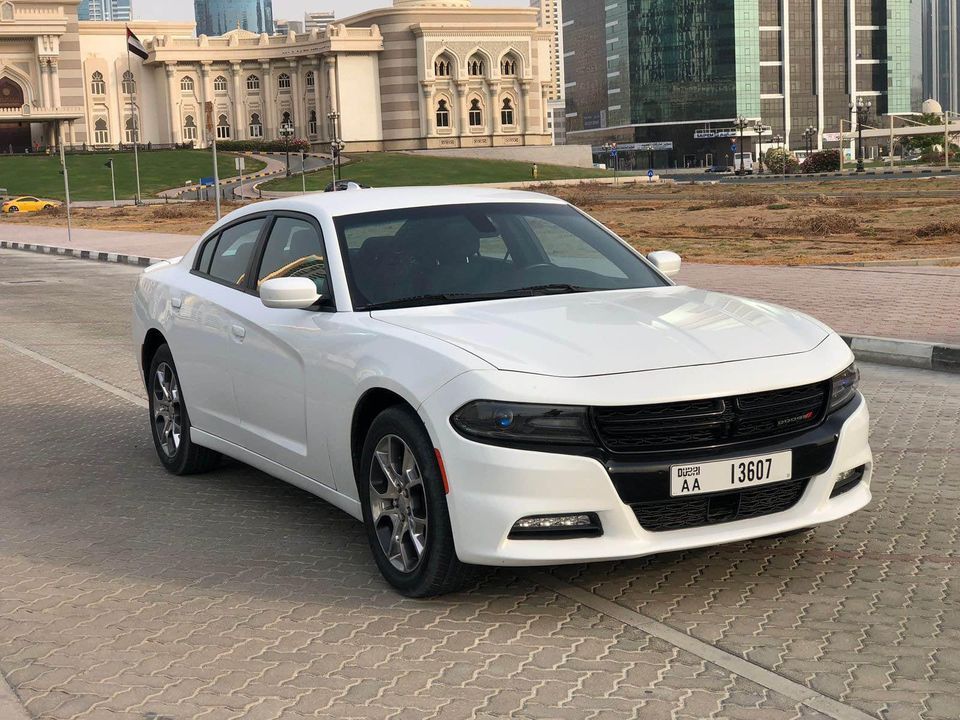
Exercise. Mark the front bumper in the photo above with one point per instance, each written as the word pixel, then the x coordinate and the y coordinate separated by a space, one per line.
pixel 493 487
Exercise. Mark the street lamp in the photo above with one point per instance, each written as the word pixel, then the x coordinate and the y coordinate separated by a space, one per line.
pixel 863 111
pixel 760 129
pixel 808 135
pixel 741 124
pixel 336 144
pixel 286 131
pixel 611 150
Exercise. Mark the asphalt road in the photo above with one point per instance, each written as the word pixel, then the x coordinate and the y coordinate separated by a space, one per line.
pixel 128 594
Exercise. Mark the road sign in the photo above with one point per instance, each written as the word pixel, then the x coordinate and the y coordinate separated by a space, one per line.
pixel 650 174
pixel 240 164
pixel 733 147
pixel 206 181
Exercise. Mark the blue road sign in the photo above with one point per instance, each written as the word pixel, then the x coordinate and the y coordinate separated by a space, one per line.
pixel 650 173
pixel 613 153
pixel 733 147
pixel 206 181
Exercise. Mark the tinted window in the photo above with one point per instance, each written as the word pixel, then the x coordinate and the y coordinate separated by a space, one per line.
pixel 294 249
pixel 206 254
pixel 234 250
pixel 481 251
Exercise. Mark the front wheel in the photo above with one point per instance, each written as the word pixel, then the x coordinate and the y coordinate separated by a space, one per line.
pixel 405 508
pixel 169 421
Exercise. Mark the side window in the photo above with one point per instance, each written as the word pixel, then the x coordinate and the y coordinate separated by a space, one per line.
pixel 494 247
pixel 565 249
pixel 234 250
pixel 206 253
pixel 294 249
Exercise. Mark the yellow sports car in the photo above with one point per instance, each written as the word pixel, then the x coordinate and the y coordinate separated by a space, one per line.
pixel 27 203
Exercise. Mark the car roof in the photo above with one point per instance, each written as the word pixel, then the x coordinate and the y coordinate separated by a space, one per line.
pixel 351 202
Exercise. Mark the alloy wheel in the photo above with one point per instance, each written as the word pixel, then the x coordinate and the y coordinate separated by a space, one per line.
pixel 167 409
pixel 398 503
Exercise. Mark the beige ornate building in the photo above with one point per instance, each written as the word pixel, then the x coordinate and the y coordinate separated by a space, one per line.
pixel 420 74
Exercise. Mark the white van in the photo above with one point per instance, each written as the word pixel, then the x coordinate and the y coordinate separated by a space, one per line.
pixel 747 168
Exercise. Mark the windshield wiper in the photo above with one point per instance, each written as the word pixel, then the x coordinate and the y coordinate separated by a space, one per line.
pixel 555 288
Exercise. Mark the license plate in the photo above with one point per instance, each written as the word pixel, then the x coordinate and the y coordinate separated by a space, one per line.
pixel 726 475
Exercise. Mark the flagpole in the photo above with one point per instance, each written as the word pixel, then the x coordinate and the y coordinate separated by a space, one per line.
pixel 136 124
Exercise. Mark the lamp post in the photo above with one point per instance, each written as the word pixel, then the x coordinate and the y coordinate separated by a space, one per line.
pixel 741 124
pixel 760 128
pixel 808 136
pixel 778 141
pixel 336 144
pixel 286 130
pixel 863 111
pixel 611 150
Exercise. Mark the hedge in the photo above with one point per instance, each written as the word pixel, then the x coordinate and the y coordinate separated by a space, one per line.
pixel 293 145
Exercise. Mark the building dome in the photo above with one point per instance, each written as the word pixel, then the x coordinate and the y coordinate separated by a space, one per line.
pixel 931 107
pixel 431 3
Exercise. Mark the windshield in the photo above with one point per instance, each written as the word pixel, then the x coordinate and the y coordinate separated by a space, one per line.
pixel 462 253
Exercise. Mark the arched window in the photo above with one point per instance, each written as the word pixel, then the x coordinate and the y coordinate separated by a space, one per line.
pixel 508 66
pixel 253 82
pixel 256 127
pixel 101 135
pixel 6 12
pixel 441 68
pixel 129 84
pixel 220 84
pixel 443 114
pixel 311 79
pixel 223 128
pixel 130 130
pixel 189 128
pixel 506 112
pixel 283 81
pixel 313 122
pixel 97 85
pixel 476 114
pixel 475 66
pixel 186 84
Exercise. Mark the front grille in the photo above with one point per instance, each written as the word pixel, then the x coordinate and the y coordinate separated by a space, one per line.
pixel 680 513
pixel 710 423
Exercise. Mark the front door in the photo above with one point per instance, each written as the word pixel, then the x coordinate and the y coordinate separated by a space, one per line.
pixel 14 137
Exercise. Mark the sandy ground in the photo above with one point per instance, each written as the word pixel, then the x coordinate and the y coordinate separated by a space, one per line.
pixel 801 223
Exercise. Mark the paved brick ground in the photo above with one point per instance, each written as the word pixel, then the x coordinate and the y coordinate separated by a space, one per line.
pixel 911 303
pixel 130 594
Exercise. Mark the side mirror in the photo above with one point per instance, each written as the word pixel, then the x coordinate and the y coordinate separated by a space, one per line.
pixel 291 293
pixel 665 261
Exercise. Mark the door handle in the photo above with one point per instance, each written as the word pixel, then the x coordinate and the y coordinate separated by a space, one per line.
pixel 238 332
pixel 176 302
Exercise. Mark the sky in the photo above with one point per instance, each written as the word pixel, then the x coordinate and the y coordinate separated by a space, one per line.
pixel 282 9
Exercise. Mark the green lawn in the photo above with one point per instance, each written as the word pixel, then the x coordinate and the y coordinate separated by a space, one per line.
pixel 90 178
pixel 396 169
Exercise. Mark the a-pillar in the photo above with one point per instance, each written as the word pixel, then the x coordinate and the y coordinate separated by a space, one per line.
pixel 173 96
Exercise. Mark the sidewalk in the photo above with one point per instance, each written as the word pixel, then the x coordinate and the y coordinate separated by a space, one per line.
pixel 908 303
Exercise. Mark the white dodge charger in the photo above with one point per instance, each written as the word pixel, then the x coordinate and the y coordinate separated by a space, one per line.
pixel 493 378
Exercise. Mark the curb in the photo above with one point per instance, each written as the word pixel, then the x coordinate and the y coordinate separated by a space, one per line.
pixel 887 351
pixel 81 254
pixel 905 353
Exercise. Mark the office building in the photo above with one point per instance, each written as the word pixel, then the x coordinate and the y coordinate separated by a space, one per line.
pixel 936 27
pixel 283 27
pixel 672 78
pixel 216 17
pixel 105 10
pixel 550 14
pixel 318 20
pixel 422 74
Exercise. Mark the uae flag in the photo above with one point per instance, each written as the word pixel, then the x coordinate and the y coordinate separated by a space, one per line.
pixel 135 46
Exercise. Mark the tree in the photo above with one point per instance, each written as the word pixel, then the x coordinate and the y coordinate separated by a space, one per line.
pixel 822 161
pixel 781 161
pixel 924 144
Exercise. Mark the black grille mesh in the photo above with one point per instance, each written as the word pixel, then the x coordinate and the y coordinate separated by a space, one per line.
pixel 709 423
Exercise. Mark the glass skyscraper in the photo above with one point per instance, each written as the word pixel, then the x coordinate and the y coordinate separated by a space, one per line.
pixel 216 17
pixel 936 25
pixel 677 73
pixel 105 10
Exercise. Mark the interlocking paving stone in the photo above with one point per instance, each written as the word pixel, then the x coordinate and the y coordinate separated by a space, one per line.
pixel 129 594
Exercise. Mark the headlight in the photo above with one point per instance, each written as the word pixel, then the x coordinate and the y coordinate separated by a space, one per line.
pixel 843 387
pixel 501 422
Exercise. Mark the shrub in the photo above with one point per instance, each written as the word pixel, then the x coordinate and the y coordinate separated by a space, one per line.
pixel 742 197
pixel 938 229
pixel 829 223
pixel 780 161
pixel 294 145
pixel 822 161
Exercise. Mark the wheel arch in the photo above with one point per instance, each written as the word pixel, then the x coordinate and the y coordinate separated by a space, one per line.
pixel 151 343
pixel 373 402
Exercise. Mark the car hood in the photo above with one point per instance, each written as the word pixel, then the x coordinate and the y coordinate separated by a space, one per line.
pixel 621 331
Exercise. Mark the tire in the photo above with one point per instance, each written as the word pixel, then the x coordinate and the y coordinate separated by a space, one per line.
pixel 13 209
pixel 169 421
pixel 47 207
pixel 418 501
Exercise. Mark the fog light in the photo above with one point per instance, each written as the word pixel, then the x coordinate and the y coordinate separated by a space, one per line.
pixel 557 526
pixel 848 480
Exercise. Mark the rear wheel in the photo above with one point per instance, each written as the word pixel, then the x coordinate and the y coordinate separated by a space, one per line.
pixel 169 421
pixel 405 508
pixel 13 209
